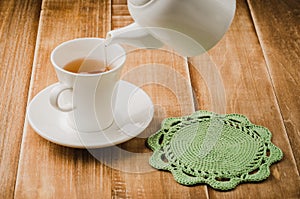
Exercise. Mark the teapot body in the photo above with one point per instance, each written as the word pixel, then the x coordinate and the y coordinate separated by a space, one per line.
pixel 190 27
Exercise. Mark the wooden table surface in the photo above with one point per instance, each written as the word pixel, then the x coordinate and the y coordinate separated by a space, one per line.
pixel 258 61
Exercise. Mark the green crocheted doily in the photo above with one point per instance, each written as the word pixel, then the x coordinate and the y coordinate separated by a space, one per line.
pixel 219 150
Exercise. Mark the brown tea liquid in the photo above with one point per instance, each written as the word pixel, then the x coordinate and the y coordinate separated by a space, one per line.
pixel 86 66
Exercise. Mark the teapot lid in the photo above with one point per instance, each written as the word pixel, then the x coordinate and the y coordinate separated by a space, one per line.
pixel 138 2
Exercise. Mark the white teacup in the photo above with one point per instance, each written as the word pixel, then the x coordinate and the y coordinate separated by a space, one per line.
pixel 88 98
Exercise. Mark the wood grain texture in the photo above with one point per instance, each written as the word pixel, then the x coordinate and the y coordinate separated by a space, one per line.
pixel 278 27
pixel 253 71
pixel 18 29
pixel 47 170
pixel 164 76
pixel 249 91
pixel 120 14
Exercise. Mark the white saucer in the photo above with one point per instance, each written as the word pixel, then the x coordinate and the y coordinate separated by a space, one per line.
pixel 133 113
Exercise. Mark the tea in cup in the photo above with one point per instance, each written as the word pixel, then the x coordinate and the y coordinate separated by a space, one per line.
pixel 88 73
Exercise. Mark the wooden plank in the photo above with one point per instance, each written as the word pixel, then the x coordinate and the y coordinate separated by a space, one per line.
pixel 249 91
pixel 119 2
pixel 164 76
pixel 47 170
pixel 120 14
pixel 121 21
pixel 18 29
pixel 120 10
pixel 278 28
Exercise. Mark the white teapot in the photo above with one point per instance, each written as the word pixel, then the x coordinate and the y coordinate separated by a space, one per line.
pixel 190 27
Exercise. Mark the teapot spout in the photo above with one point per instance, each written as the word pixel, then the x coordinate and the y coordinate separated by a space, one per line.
pixel 134 35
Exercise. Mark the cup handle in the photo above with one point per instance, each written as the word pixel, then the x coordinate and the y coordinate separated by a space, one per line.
pixel 54 96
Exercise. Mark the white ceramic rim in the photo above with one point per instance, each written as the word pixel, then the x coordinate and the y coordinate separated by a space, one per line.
pixel 122 57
